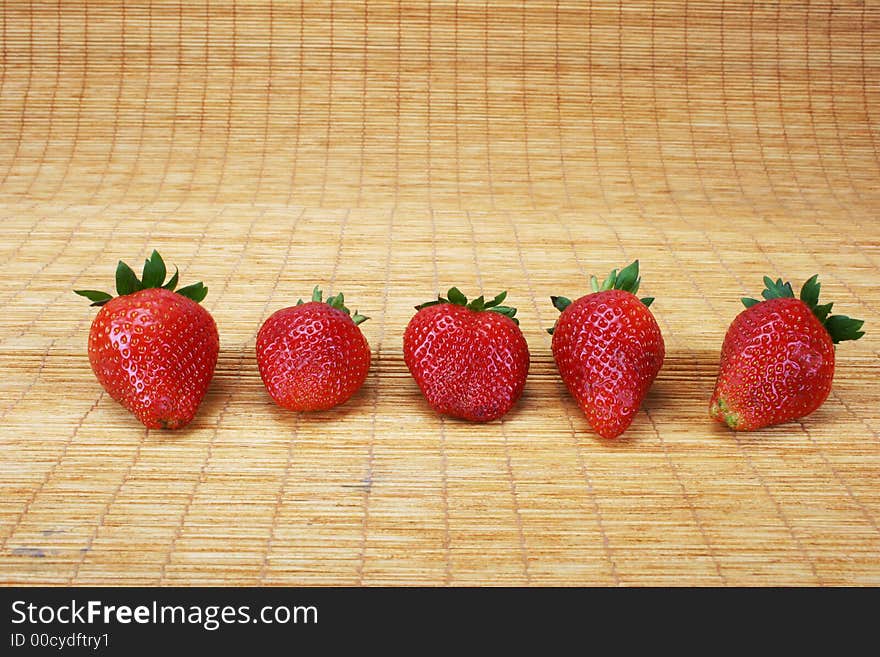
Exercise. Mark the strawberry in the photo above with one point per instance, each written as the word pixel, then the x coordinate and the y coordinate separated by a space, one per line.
pixel 608 348
pixel 152 348
pixel 777 360
pixel 470 360
pixel 312 356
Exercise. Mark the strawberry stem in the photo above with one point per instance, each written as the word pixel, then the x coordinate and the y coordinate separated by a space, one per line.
pixel 153 276
pixel 336 301
pixel 839 327
pixel 455 296
pixel 627 279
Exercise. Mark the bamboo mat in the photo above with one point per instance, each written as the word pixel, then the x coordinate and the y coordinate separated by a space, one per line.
pixel 391 150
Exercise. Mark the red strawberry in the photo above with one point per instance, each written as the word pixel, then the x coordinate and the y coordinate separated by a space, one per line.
pixel 469 359
pixel 153 349
pixel 608 348
pixel 777 360
pixel 312 356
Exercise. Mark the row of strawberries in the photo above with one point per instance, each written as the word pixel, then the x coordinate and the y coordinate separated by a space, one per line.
pixel 154 348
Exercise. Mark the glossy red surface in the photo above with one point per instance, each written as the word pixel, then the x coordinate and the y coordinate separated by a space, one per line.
pixel 312 357
pixel 154 351
pixel 468 364
pixel 777 364
pixel 609 349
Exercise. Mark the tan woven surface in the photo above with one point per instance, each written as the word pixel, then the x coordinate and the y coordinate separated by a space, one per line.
pixel 390 152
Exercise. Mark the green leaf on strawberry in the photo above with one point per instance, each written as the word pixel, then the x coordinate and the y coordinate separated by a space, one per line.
pixel 627 279
pixel 839 327
pixel 456 297
pixel 98 298
pixel 171 284
pixel 336 301
pixel 126 280
pixel 153 276
pixel 196 292
pixel 560 303
pixel 154 271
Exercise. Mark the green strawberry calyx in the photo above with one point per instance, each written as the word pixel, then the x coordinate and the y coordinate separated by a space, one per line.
pixel 153 276
pixel 839 327
pixel 336 301
pixel 627 279
pixel 479 304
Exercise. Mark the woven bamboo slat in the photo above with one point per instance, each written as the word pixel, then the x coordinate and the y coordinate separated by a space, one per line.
pixel 391 150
